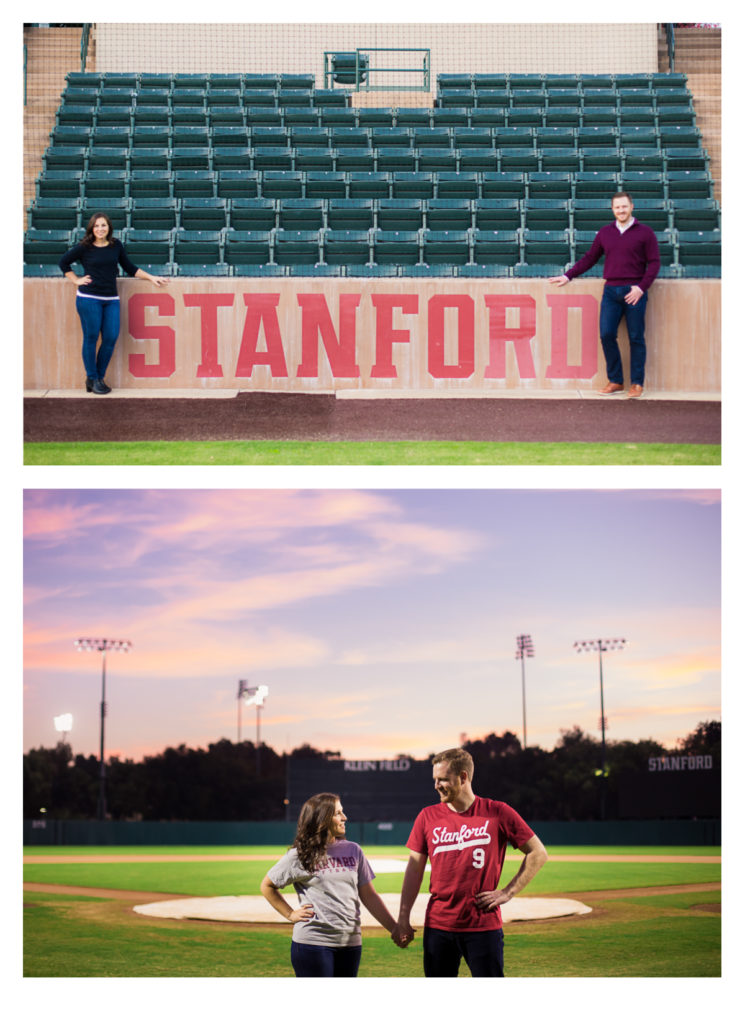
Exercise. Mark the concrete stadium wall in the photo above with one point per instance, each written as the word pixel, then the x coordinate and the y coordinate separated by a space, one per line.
pixel 279 833
pixel 318 334
pixel 605 48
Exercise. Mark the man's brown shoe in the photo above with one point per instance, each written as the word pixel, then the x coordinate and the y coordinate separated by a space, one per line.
pixel 611 388
pixel 635 391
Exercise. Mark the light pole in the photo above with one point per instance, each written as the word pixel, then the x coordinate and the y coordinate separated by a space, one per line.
pixel 63 724
pixel 581 647
pixel 103 646
pixel 524 650
pixel 252 695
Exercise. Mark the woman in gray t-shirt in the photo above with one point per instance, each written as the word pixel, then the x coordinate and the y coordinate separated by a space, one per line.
pixel 331 876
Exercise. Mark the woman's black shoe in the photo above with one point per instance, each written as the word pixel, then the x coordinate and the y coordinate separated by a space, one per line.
pixel 100 387
pixel 89 383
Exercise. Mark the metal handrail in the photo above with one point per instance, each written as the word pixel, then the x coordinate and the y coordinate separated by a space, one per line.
pixel 670 37
pixel 84 38
pixel 363 71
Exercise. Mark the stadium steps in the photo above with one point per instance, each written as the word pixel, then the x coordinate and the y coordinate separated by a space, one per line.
pixel 698 54
pixel 51 53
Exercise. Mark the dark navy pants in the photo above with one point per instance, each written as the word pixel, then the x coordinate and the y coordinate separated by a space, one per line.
pixel 613 308
pixel 325 961
pixel 98 317
pixel 482 951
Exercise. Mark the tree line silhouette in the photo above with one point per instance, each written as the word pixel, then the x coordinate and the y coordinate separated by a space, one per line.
pixel 229 782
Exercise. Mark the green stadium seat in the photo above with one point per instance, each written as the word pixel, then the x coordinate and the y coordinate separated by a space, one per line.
pixel 260 98
pixel 151 136
pixel 399 247
pixel 643 158
pixel 683 115
pixel 413 117
pixel 547 247
pixel 459 98
pixel 191 158
pixel 200 247
pixel 557 158
pixel 154 213
pixel 330 117
pixel 293 248
pixel 525 80
pixel 525 117
pixel 147 183
pixel 430 159
pixel 350 214
pixel 497 214
pixel 556 136
pixel 71 135
pixel 252 214
pixel 599 116
pixel 454 80
pixel 639 135
pixel 448 215
pixel 466 138
pixel 412 185
pixel 44 245
pixel 488 117
pixel 313 158
pixel 643 184
pixel 681 159
pixel 263 116
pixel 653 212
pixel 64 158
pixel 700 248
pixel 385 135
pixel 247 247
pixel 666 243
pixel 489 80
pixel 450 117
pixel 689 185
pixel 369 185
pixel 159 96
pixel 301 214
pixel 148 247
pixel 263 80
pixel 225 80
pixel 118 211
pixel 367 117
pixel 190 80
pixel 589 215
pixel 84 79
pixel 349 137
pixel 217 98
pixel 203 214
pixel 231 158
pixel 273 158
pixel 54 214
pixel 353 158
pixel 115 97
pixel 487 270
pixel 392 159
pixel 105 184
pixel 514 137
pixel 495 247
pixel 432 138
pixel 325 184
pixel 597 136
pixel 153 158
pixel 267 136
pixel 111 135
pixel 631 115
pixel 193 182
pixel 302 135
pixel 551 184
pixel 190 135
pixel 457 185
pixel 448 247
pixel 602 159
pixel 224 117
pixel 695 214
pixel 520 159
pixel 503 185
pixel 78 114
pixel 114 115
pixel 346 247
pixel 184 115
pixel 568 117
pixel 277 184
pixel 151 116
pixel 595 81
pixel 546 214
pixel 563 96
pixel 371 270
pixel 399 214
pixel 476 159
pixel 593 96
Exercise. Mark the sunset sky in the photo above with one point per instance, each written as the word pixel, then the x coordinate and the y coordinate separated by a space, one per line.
pixel 382 621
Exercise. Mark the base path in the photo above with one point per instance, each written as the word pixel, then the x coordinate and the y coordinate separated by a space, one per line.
pixel 248 415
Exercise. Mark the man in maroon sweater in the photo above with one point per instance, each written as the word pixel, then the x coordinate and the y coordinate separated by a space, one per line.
pixel 632 262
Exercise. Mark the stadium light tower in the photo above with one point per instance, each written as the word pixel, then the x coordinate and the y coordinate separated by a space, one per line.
pixel 103 646
pixel 524 650
pixel 582 647
pixel 252 695
pixel 63 724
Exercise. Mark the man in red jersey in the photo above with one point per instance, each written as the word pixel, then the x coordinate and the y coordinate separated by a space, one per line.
pixel 465 837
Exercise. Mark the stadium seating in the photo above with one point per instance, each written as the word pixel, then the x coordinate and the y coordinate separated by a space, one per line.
pixel 504 173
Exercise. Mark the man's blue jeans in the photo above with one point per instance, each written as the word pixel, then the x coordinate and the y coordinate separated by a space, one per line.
pixel 612 309
pixel 98 317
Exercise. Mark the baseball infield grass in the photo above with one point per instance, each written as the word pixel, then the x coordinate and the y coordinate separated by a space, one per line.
pixel 649 935
pixel 349 453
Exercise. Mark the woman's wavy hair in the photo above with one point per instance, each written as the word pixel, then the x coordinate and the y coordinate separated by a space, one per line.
pixel 89 237
pixel 313 825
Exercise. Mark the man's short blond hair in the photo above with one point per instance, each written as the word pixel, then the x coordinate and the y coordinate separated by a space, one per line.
pixel 457 760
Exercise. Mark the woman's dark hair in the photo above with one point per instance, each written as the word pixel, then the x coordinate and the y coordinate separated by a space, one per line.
pixel 313 825
pixel 89 238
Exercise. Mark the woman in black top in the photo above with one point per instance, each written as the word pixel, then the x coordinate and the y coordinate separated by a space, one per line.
pixel 97 300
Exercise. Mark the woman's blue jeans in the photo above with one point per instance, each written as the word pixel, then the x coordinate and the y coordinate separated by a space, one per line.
pixel 98 317
pixel 613 308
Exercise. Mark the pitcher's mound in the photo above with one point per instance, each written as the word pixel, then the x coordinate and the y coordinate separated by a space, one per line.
pixel 255 909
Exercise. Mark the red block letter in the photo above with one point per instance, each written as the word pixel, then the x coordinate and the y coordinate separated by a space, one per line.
pixel 261 309
pixel 559 366
pixel 436 331
pixel 166 336
pixel 341 350
pixel 209 367
pixel 385 335
pixel 500 334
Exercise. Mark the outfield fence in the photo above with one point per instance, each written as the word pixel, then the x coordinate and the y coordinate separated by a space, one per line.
pixel 51 832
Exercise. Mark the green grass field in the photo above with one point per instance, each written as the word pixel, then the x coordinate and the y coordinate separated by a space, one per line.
pixel 394 453
pixel 639 935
